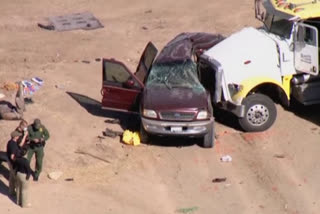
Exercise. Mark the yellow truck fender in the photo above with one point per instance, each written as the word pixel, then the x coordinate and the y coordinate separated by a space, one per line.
pixel 253 84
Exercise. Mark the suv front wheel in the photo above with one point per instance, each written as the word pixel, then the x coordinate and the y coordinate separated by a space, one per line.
pixel 144 136
pixel 209 138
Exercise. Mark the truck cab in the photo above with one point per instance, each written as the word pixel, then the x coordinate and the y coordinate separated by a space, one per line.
pixel 255 68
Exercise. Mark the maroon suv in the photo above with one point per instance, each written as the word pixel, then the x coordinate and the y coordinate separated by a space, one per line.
pixel 166 92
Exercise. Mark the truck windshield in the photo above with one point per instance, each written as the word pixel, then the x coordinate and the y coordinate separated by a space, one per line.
pixel 175 75
pixel 278 26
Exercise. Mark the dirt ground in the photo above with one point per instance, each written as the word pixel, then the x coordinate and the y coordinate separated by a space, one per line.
pixel 272 172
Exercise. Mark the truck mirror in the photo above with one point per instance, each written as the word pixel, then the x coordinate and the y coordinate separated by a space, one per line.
pixel 291 46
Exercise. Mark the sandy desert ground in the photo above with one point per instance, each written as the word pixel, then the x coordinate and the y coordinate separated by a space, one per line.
pixel 168 175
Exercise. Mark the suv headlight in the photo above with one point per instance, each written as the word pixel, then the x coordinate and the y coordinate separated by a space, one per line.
pixel 149 113
pixel 202 115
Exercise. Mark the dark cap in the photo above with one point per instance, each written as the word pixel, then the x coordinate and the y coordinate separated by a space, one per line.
pixel 37 123
pixel 16 134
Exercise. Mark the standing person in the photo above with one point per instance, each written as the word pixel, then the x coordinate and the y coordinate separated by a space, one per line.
pixel 38 135
pixel 13 152
pixel 8 111
pixel 23 126
pixel 23 172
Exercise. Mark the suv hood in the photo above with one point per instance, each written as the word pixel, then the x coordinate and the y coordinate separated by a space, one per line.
pixel 161 98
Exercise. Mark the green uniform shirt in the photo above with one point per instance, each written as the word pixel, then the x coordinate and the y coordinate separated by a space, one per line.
pixel 42 132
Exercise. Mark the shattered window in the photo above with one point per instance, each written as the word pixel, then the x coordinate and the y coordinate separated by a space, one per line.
pixel 175 75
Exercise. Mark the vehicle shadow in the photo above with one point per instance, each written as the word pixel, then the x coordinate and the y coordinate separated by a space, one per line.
pixel 310 113
pixel 129 121
pixel 126 120
pixel 226 118
pixel 170 141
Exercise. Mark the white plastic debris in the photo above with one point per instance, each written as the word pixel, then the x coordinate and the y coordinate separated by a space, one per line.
pixel 226 158
pixel 55 175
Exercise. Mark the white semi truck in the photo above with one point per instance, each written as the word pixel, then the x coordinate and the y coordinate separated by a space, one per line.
pixel 252 69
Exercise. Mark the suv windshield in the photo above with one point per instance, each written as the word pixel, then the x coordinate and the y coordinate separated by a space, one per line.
pixel 278 26
pixel 175 75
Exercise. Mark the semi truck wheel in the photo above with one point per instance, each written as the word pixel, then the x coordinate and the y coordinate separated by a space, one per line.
pixel 209 138
pixel 260 113
pixel 144 136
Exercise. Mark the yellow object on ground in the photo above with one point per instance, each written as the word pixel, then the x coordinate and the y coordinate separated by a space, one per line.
pixel 131 138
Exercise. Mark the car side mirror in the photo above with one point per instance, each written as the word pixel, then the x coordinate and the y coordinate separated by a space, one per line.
pixel 129 83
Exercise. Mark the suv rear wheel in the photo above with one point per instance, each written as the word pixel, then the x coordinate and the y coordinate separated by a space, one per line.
pixel 260 113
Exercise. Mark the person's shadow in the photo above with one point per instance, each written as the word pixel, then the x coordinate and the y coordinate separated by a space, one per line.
pixel 5 173
pixel 4 189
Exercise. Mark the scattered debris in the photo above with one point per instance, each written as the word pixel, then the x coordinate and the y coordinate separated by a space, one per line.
pixel 69 179
pixel 101 137
pixel 226 158
pixel 227 185
pixel 85 21
pixel 55 175
pixel 85 61
pixel 144 28
pixel 59 86
pixel 28 100
pixel 187 210
pixel 112 133
pixel 279 156
pixel 91 155
pixel 219 180
pixel 114 121
pixel 10 86
pixel 37 80
pixel 47 27
pixel 30 87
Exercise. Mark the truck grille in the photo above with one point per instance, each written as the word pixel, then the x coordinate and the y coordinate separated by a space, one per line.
pixel 178 116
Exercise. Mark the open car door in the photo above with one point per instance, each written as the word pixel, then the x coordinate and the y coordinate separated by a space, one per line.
pixel 306 52
pixel 146 60
pixel 121 89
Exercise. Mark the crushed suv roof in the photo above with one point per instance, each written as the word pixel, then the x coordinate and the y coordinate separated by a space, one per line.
pixel 183 46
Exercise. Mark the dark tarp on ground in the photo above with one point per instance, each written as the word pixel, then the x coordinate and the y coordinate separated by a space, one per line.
pixel 184 45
